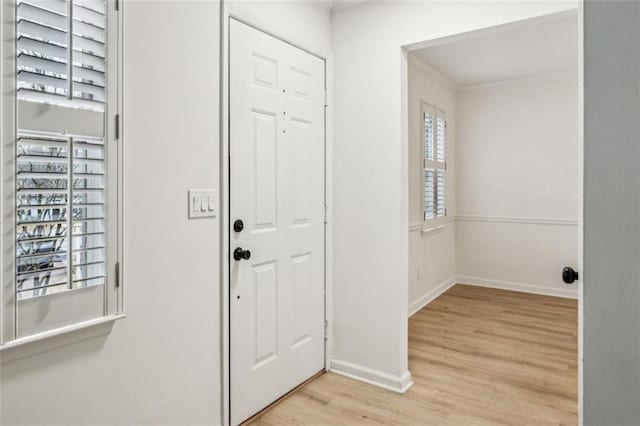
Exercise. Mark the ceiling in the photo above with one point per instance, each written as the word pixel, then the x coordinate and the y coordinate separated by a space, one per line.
pixel 341 4
pixel 333 5
pixel 511 52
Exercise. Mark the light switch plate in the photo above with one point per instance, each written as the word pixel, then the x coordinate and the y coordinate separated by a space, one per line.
pixel 202 203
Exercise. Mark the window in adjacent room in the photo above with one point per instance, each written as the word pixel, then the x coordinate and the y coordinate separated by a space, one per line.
pixel 434 163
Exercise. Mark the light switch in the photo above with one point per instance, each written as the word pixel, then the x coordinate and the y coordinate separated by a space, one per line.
pixel 202 203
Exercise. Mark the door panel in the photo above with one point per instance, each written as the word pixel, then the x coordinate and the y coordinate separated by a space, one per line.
pixel 265 168
pixel 265 313
pixel 277 190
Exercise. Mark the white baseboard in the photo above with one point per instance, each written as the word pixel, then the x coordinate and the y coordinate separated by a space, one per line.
pixel 431 295
pixel 398 384
pixel 570 293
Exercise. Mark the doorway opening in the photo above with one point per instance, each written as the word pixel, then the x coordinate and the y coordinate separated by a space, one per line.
pixel 495 215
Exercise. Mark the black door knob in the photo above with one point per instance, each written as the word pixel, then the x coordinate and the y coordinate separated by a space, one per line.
pixel 569 275
pixel 239 254
pixel 238 225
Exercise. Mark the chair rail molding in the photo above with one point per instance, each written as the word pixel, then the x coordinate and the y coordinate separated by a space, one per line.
pixel 418 226
pixel 515 219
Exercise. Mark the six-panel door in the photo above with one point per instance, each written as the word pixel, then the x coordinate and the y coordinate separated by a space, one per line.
pixel 277 190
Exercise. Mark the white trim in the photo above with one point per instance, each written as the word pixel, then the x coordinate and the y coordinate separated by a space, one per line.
pixel 569 293
pixel 527 79
pixel 428 229
pixel 419 226
pixel 495 29
pixel 431 72
pixel 424 227
pixel 431 295
pixel 60 331
pixel 415 227
pixel 223 192
pixel 399 384
pixel 7 185
pixel 511 219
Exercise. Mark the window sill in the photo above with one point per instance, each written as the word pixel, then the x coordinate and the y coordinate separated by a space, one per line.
pixel 45 335
pixel 428 229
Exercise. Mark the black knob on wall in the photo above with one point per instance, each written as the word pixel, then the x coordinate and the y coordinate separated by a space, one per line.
pixel 569 275
pixel 239 254
pixel 238 225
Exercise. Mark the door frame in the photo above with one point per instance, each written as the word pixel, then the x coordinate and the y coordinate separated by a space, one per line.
pixel 227 12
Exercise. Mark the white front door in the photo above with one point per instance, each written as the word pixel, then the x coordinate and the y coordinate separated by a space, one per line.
pixel 277 191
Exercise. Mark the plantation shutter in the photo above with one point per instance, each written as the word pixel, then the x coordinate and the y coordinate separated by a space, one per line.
pixel 429 172
pixel 62 161
pixel 60 238
pixel 61 52
pixel 441 127
pixel 434 162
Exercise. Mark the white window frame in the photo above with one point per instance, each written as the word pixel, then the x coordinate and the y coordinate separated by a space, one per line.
pixel 61 312
pixel 436 221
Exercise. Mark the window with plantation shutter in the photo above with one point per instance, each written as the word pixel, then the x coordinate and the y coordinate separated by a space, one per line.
pixel 434 162
pixel 66 161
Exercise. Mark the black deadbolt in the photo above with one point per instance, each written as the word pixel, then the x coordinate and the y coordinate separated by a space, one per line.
pixel 238 225
pixel 239 254
pixel 569 275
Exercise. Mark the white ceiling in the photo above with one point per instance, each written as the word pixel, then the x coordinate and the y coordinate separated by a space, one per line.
pixel 513 52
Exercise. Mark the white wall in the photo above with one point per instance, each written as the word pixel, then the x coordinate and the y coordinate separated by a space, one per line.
pixel 370 167
pixel 305 23
pixel 161 364
pixel 517 183
pixel 431 254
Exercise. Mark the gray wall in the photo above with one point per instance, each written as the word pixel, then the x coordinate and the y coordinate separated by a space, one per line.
pixel 612 213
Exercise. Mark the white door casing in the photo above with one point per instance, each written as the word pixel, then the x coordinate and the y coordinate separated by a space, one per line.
pixel 277 189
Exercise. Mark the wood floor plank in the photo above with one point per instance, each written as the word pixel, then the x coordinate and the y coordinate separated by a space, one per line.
pixel 477 356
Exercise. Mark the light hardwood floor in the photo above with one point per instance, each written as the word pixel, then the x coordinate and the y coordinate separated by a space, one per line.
pixel 477 356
